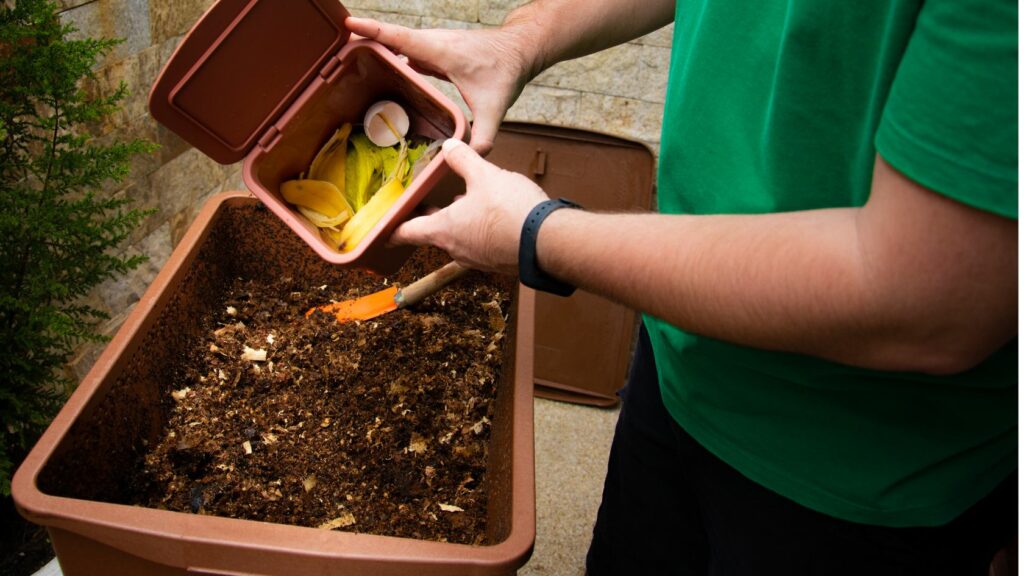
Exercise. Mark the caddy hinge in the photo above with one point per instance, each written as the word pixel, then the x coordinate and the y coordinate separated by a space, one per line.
pixel 330 69
pixel 269 138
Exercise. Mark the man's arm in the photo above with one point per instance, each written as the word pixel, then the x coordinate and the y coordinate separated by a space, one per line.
pixel 491 66
pixel 558 30
pixel 911 281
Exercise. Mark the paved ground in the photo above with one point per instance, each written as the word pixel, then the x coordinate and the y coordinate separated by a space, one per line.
pixel 571 445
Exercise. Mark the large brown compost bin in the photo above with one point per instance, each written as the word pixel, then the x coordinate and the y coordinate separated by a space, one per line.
pixel 70 481
pixel 269 81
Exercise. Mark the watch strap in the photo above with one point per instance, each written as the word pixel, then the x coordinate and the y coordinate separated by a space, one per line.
pixel 530 273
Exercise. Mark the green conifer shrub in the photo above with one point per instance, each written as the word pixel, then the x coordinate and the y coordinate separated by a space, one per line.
pixel 60 229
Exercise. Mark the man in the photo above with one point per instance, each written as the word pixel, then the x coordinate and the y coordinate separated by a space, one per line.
pixel 826 380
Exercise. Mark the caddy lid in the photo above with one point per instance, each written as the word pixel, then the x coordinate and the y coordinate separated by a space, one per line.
pixel 241 66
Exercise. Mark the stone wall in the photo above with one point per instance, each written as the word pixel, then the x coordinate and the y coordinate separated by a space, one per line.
pixel 619 92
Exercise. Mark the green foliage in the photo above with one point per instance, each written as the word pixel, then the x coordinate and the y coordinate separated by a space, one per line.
pixel 59 230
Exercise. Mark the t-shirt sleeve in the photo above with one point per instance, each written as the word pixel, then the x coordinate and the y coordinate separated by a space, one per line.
pixel 950 121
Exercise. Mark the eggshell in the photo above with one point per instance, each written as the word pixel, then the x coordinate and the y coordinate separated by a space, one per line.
pixel 378 131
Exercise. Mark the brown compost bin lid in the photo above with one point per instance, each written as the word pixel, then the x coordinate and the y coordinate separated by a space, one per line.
pixel 241 66
pixel 582 343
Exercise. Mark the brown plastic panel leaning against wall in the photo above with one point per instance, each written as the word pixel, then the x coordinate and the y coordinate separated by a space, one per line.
pixel 584 342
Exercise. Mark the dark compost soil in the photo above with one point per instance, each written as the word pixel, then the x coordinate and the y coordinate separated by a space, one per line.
pixel 378 426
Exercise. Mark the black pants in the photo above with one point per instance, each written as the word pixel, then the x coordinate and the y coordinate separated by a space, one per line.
pixel 672 507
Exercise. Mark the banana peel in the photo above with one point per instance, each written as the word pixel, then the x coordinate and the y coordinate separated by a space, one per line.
pixel 352 183
pixel 419 156
pixel 332 236
pixel 369 215
pixel 329 163
pixel 320 198
pixel 318 195
pixel 321 221
pixel 364 169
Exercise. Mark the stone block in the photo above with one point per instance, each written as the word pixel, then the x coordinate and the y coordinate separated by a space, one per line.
pixel 63 5
pixel 625 117
pixel 83 360
pixel 181 221
pixel 134 193
pixel 630 70
pixel 135 104
pixel 493 12
pixel 151 62
pixel 233 181
pixel 171 145
pixel 433 22
pixel 167 48
pixel 169 18
pixel 543 105
pixel 176 185
pixel 127 19
pixel 95 301
pixel 467 10
pixel 141 165
pixel 120 293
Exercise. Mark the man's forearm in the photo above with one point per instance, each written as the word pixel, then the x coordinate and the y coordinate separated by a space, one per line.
pixel 913 281
pixel 770 282
pixel 557 30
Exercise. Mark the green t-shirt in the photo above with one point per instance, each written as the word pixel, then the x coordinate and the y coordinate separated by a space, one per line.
pixel 782 105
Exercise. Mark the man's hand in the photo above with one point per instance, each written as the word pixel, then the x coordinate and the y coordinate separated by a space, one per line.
pixel 481 229
pixel 489 67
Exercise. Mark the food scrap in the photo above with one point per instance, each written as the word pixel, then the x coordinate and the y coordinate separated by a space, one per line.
pixel 254 355
pixel 386 123
pixel 358 175
pixel 343 521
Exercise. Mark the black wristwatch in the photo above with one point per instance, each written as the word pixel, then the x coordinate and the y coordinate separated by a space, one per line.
pixel 529 273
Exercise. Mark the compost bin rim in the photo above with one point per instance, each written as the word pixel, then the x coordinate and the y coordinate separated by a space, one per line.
pixel 586 135
pixel 104 526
